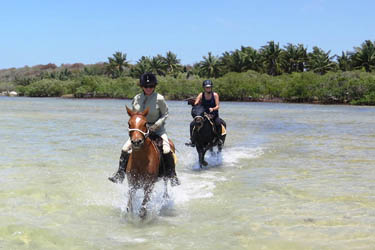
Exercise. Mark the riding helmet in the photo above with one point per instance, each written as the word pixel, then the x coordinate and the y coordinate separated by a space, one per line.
pixel 207 83
pixel 148 79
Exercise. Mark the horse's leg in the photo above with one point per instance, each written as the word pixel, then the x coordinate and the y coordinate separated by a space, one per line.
pixel 212 151
pixel 203 154
pixel 132 191
pixel 220 146
pixel 146 199
pixel 201 157
pixel 165 195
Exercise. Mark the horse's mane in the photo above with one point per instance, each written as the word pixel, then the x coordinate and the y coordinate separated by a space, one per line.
pixel 197 110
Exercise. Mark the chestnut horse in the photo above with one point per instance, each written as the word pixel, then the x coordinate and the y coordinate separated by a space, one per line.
pixel 142 170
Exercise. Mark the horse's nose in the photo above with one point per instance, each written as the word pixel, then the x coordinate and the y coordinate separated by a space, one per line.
pixel 137 142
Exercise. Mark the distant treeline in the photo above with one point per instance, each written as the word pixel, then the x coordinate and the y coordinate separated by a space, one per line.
pixel 271 73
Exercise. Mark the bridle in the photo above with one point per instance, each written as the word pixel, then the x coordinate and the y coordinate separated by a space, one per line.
pixel 145 134
pixel 205 116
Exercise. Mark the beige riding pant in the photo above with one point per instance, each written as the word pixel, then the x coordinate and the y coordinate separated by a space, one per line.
pixel 166 147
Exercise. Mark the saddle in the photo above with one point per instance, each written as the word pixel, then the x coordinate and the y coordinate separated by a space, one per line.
pixel 223 129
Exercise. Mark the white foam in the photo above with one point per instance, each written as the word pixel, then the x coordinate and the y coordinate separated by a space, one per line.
pixel 228 157
pixel 197 183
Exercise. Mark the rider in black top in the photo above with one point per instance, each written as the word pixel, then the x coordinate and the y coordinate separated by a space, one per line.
pixel 210 101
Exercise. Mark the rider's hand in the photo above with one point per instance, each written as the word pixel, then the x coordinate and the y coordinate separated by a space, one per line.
pixel 211 110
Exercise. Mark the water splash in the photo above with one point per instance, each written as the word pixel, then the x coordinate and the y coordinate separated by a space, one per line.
pixel 229 157
pixel 196 184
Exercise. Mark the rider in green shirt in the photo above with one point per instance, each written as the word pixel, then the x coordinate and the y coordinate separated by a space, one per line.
pixel 156 118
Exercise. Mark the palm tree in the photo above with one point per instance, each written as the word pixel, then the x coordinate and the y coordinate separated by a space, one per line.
pixel 271 57
pixel 142 66
pixel 172 63
pixel 117 64
pixel 157 66
pixel 345 61
pixel 210 66
pixel 293 58
pixel 365 56
pixel 234 61
pixel 194 70
pixel 320 61
pixel 251 58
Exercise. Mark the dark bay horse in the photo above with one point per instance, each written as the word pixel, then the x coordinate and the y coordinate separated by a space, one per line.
pixel 203 133
pixel 142 170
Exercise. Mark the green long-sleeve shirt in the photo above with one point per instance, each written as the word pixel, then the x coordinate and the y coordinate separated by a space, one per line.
pixel 158 109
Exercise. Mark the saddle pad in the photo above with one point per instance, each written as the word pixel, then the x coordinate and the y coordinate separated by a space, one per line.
pixel 223 130
pixel 175 158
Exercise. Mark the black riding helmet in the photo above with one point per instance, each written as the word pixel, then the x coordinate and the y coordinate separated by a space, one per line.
pixel 207 83
pixel 148 79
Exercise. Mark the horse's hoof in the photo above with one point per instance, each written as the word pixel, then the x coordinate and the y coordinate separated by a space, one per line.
pixel 204 163
pixel 175 181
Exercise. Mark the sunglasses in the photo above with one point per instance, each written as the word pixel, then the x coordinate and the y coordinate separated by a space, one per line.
pixel 149 86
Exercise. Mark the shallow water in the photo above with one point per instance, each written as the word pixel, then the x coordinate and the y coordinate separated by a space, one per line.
pixel 290 177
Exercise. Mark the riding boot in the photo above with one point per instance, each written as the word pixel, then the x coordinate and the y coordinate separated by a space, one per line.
pixel 119 176
pixel 170 169
pixel 218 133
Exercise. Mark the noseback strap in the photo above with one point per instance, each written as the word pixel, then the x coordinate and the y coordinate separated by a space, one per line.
pixel 140 131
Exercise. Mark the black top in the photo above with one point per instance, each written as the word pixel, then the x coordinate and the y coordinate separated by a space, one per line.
pixel 209 104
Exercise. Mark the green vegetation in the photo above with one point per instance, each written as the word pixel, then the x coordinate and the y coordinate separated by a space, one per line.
pixel 272 73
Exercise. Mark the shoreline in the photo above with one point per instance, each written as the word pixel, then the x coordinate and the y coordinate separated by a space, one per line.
pixel 264 100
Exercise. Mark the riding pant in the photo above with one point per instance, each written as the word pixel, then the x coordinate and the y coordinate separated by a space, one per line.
pixel 218 123
pixel 166 147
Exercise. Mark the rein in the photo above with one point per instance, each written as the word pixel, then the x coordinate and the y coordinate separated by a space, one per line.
pixel 207 116
pixel 209 119
pixel 146 134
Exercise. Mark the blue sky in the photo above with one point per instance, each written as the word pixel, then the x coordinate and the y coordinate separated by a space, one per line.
pixel 41 32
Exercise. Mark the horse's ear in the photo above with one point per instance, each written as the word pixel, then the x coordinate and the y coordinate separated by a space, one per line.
pixel 130 112
pixel 144 113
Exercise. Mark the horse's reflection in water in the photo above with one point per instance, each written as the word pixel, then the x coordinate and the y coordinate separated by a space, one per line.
pixel 143 166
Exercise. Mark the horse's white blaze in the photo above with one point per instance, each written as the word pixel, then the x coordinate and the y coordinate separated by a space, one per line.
pixel 137 120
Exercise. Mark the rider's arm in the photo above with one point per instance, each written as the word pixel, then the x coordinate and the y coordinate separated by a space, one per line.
pixel 198 99
pixel 163 112
pixel 216 96
pixel 135 103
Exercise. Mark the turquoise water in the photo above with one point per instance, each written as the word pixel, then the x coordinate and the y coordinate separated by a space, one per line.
pixel 290 177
